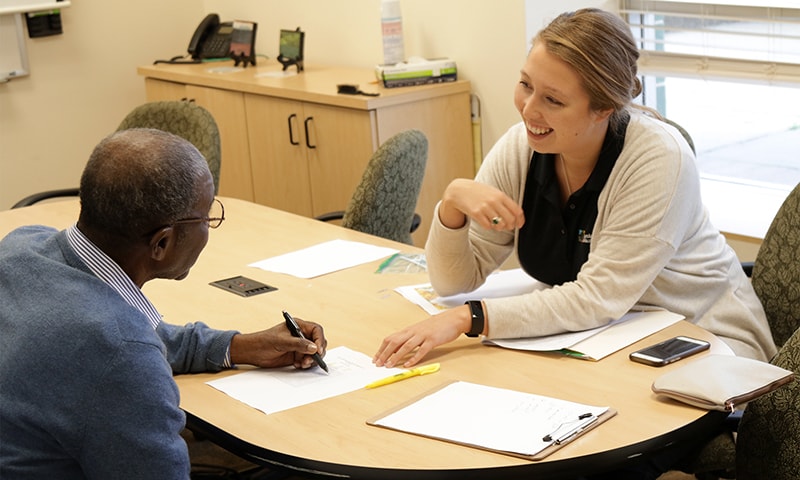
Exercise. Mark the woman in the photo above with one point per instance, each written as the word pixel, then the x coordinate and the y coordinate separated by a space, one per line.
pixel 598 199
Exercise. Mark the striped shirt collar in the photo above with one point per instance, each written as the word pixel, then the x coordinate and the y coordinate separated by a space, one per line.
pixel 108 271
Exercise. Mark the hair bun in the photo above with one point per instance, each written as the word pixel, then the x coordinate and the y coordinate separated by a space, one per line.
pixel 637 87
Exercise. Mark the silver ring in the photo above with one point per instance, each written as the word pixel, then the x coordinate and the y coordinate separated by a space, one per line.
pixel 496 220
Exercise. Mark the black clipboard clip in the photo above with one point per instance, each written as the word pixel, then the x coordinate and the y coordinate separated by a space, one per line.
pixel 583 422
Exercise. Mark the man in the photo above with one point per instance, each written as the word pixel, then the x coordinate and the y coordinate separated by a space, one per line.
pixel 86 365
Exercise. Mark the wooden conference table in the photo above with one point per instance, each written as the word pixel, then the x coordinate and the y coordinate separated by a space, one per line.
pixel 358 308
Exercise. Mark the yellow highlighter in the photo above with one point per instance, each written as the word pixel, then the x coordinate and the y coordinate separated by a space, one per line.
pixel 423 370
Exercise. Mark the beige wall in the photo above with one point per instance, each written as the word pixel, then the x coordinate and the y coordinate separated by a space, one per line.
pixel 83 82
pixel 81 85
pixel 486 39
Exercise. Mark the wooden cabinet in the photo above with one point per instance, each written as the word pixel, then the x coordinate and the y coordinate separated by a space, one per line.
pixel 317 153
pixel 227 107
pixel 292 142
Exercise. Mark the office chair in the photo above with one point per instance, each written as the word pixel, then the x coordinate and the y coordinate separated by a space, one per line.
pixel 384 201
pixel 769 433
pixel 185 119
pixel 775 277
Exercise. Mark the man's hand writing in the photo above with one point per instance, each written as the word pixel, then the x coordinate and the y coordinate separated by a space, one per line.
pixel 276 347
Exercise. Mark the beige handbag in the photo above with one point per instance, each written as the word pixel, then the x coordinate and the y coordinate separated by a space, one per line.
pixel 721 382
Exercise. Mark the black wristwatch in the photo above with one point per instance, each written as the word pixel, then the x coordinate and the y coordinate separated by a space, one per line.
pixel 478 320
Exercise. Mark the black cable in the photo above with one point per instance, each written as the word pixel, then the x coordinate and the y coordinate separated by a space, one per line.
pixel 178 60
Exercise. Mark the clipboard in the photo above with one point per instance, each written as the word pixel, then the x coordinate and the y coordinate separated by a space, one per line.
pixel 515 433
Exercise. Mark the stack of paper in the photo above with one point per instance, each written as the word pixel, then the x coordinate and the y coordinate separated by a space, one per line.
pixel 591 344
pixel 599 342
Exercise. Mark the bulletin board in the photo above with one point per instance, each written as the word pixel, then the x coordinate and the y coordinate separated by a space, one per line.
pixel 13 52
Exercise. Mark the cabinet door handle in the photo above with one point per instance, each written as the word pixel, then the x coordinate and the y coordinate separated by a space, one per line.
pixel 291 130
pixel 308 144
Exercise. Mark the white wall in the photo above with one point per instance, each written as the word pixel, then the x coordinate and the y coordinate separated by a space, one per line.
pixel 82 83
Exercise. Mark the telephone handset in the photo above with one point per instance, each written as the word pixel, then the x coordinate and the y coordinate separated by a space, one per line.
pixel 211 39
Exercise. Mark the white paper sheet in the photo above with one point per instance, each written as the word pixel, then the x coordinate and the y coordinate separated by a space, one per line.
pixel 273 390
pixel 597 343
pixel 324 258
pixel 503 283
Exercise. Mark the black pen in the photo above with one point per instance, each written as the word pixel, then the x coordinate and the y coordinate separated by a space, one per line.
pixel 294 328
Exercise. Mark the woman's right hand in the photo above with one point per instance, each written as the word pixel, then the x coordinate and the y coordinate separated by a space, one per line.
pixel 411 344
pixel 484 204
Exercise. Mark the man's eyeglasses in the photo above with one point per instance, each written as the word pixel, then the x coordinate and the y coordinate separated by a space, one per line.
pixel 214 219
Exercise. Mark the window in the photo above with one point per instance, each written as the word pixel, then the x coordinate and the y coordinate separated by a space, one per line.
pixel 759 42
pixel 744 133
pixel 729 73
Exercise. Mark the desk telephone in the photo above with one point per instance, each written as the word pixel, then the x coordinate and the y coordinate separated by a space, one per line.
pixel 215 39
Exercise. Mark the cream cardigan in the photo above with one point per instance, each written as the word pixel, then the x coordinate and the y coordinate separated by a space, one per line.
pixel 653 246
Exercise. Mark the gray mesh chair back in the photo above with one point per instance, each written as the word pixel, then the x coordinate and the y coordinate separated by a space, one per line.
pixel 185 119
pixel 776 271
pixel 776 280
pixel 768 445
pixel 384 201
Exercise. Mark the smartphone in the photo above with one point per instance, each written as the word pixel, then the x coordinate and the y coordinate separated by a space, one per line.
pixel 669 351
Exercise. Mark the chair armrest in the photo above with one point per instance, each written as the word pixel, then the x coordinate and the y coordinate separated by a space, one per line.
pixel 415 222
pixel 339 214
pixel 38 197
pixel 330 216
pixel 748 268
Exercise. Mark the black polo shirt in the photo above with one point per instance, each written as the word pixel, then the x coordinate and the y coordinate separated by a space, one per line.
pixel 554 242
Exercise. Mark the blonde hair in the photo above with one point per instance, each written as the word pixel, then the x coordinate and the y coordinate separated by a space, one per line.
pixel 601 49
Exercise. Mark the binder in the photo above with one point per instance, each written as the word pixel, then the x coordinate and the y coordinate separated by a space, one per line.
pixel 514 423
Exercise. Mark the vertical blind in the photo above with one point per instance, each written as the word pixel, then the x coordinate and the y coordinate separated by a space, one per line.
pixel 755 41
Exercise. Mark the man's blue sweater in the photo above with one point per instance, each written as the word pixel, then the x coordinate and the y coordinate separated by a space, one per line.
pixel 86 387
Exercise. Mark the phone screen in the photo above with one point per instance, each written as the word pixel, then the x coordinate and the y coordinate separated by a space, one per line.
pixel 669 351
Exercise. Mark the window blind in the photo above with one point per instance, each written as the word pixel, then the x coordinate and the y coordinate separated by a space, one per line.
pixel 755 41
